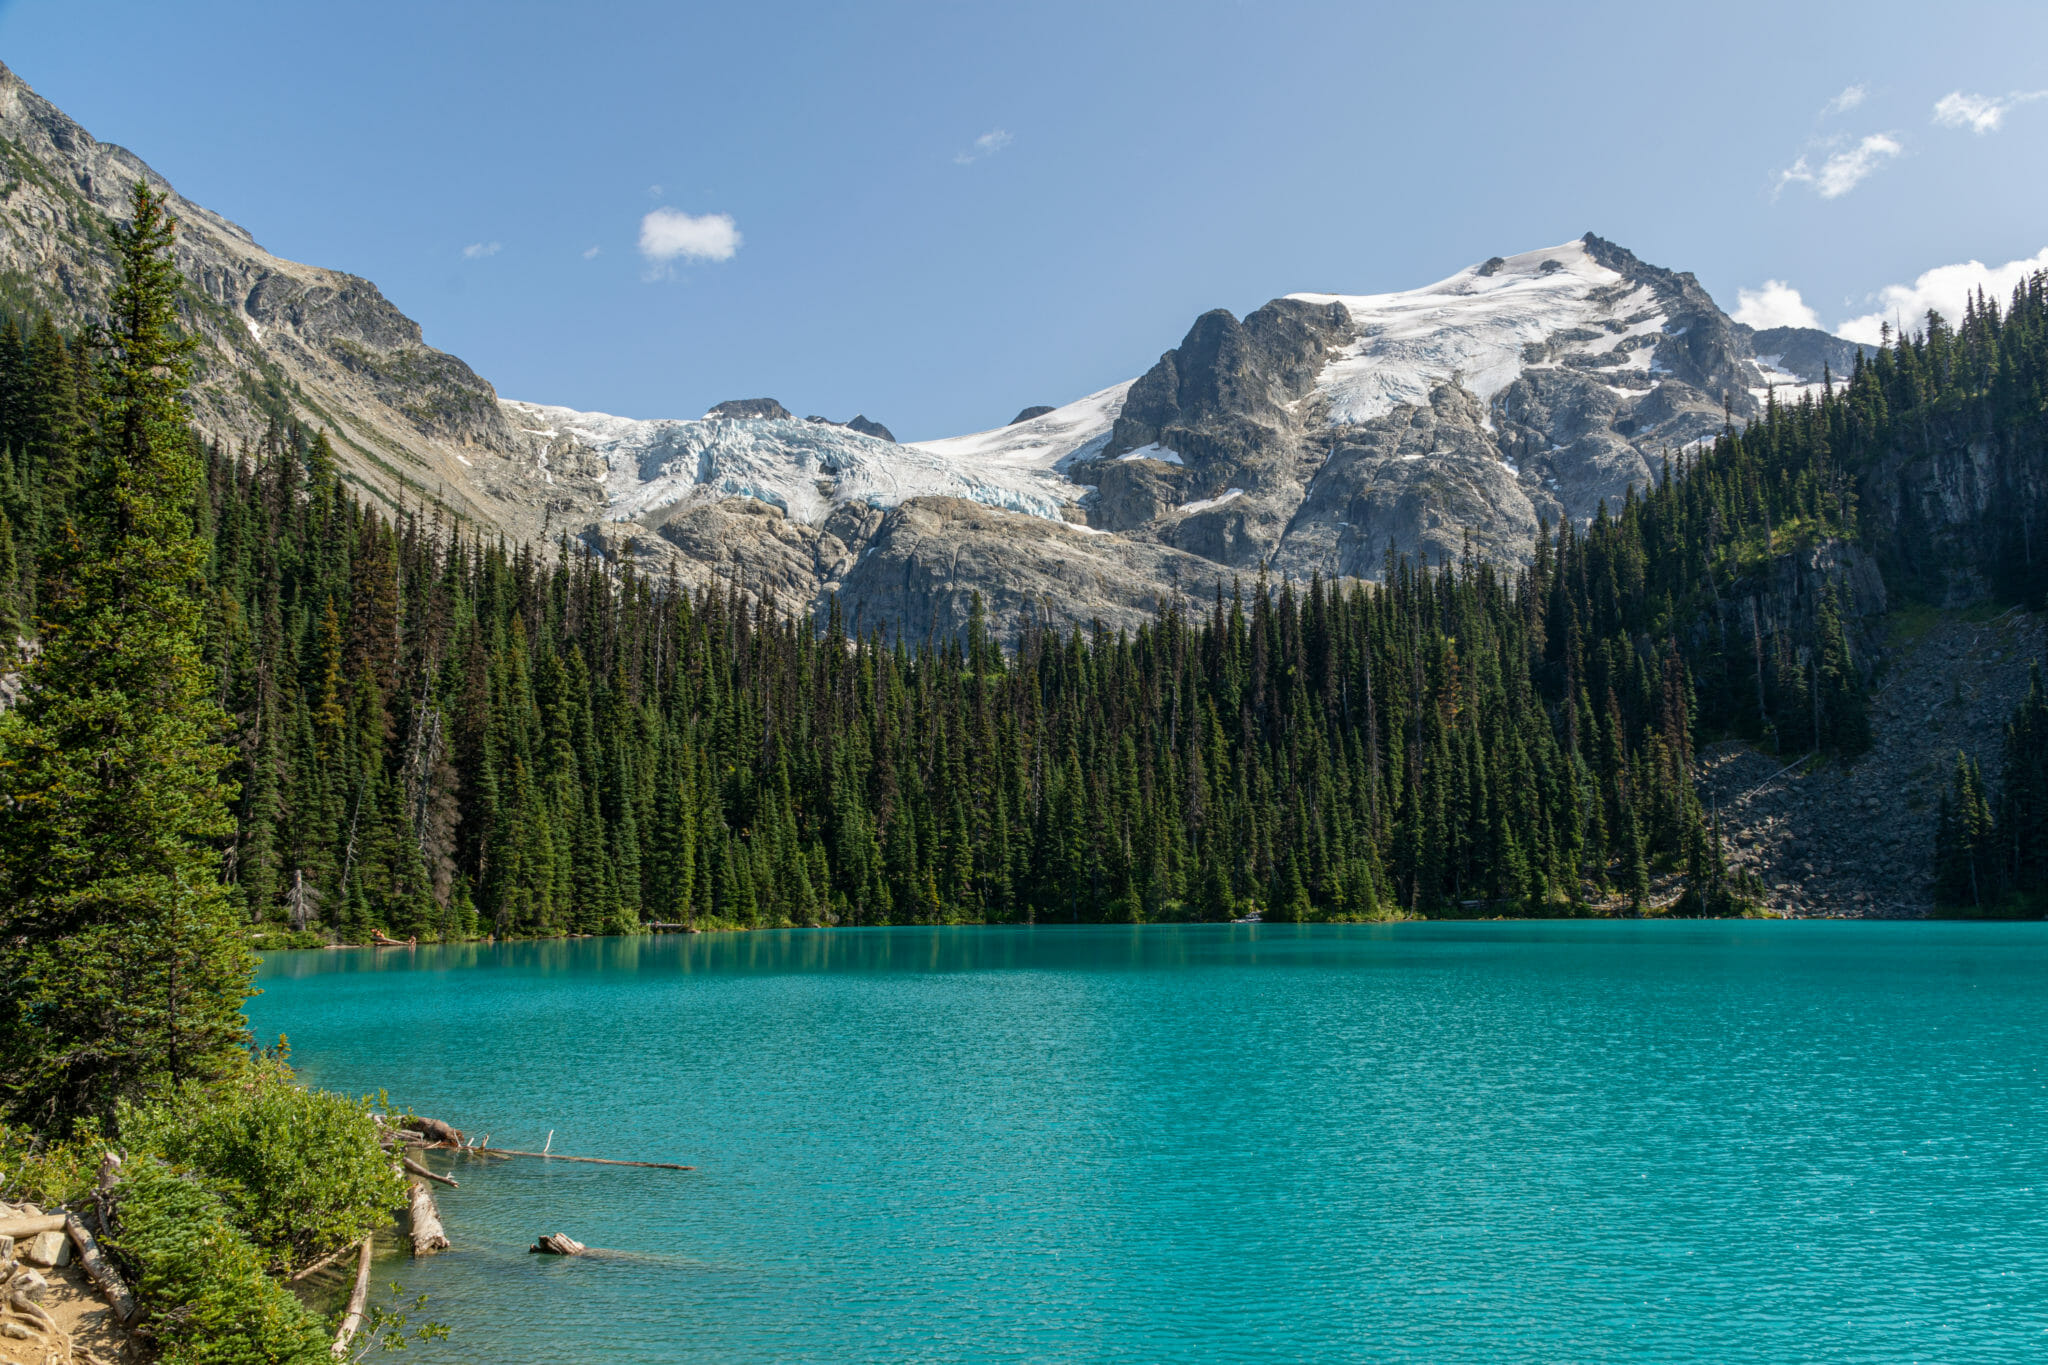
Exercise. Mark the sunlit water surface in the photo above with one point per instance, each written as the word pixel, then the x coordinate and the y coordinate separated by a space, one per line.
pixel 1483 1142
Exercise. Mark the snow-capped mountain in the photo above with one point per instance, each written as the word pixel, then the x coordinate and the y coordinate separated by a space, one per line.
pixel 1321 433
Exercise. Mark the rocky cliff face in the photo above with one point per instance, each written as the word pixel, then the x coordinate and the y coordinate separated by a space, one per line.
pixel 1322 433
pixel 411 424
pixel 1965 511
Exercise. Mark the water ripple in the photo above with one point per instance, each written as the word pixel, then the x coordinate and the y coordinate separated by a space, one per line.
pixel 1500 1142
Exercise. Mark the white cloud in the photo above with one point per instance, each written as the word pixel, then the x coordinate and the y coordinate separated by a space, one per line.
pixel 670 234
pixel 1844 102
pixel 1942 289
pixel 1798 173
pixel 988 144
pixel 1844 170
pixel 593 253
pixel 1777 304
pixel 1980 113
pixel 476 251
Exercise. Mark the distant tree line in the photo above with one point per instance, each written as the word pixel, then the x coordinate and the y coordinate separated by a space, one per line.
pixel 438 735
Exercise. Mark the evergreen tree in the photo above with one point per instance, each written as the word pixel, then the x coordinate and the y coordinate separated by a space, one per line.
pixel 123 968
pixel 1964 846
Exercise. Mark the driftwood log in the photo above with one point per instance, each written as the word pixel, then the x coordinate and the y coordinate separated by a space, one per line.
pixel 325 1261
pixel 21 1228
pixel 427 1234
pixel 435 1131
pixel 417 1169
pixel 352 1320
pixel 101 1269
pixel 103 1190
pixel 387 1134
pixel 593 1160
pixel 556 1244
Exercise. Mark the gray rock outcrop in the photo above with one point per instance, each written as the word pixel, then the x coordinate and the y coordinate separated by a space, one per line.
pixel 750 408
pixel 928 558
pixel 1806 352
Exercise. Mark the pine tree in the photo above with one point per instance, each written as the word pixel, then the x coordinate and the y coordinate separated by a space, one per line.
pixel 1964 843
pixel 122 964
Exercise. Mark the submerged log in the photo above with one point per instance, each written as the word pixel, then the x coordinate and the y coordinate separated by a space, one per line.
pixel 325 1261
pixel 427 1234
pixel 593 1160
pixel 417 1169
pixel 101 1269
pixel 556 1244
pixel 352 1320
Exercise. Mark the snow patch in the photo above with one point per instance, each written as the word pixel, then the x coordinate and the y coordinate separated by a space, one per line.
pixel 806 468
pixel 1473 328
pixel 1204 504
pixel 1076 431
pixel 1155 451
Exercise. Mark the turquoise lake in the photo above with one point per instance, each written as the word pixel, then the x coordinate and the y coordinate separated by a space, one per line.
pixel 1432 1142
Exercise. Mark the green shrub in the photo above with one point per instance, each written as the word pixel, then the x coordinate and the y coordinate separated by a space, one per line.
pixel 48 1173
pixel 201 1283
pixel 271 938
pixel 300 1170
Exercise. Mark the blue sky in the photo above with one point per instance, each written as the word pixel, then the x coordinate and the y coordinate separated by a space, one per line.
pixel 936 213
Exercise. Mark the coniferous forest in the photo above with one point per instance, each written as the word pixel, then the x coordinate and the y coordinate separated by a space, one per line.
pixel 438 735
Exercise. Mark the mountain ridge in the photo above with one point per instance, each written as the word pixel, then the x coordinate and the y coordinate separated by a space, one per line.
pixel 1321 434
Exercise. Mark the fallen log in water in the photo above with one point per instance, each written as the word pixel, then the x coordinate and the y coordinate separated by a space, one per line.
pixel 353 1318
pixel 438 1132
pixel 427 1235
pixel 389 1132
pixel 417 1169
pixel 325 1261
pixel 593 1160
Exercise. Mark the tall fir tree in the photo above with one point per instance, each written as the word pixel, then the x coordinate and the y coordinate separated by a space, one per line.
pixel 122 968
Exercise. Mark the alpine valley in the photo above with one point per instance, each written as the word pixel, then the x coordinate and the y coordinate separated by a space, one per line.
pixel 1547 588
pixel 1101 782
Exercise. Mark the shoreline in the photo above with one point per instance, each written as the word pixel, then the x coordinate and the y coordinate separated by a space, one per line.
pixel 738 930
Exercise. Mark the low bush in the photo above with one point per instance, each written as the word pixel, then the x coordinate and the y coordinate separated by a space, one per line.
pixel 201 1284
pixel 45 1172
pixel 299 1170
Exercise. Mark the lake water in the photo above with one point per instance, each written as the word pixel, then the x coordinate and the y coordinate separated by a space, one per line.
pixel 1429 1142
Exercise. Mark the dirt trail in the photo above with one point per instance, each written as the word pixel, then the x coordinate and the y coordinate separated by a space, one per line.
pixel 1858 839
